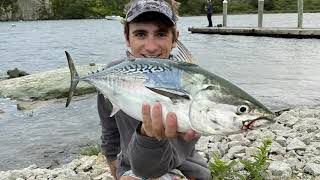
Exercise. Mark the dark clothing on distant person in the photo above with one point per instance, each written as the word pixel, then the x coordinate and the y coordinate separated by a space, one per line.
pixel 209 13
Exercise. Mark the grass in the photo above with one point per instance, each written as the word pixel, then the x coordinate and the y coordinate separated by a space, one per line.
pixel 256 169
pixel 92 150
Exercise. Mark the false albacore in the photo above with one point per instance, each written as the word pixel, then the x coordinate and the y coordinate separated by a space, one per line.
pixel 201 100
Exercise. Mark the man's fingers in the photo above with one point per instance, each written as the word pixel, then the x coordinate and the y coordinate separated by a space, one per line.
pixel 146 118
pixel 189 135
pixel 171 125
pixel 157 124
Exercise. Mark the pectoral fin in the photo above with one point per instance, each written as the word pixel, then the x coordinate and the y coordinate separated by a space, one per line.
pixel 173 94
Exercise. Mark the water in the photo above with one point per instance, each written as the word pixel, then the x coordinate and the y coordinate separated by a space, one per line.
pixel 279 72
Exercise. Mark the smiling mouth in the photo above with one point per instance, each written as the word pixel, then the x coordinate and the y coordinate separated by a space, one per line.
pixel 146 56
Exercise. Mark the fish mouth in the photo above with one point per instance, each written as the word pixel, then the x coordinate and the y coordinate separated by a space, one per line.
pixel 248 124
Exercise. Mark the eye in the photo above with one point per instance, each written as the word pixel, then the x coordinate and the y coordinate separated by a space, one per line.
pixel 162 34
pixel 140 35
pixel 242 109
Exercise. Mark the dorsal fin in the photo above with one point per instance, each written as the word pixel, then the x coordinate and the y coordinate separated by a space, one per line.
pixel 184 55
pixel 129 55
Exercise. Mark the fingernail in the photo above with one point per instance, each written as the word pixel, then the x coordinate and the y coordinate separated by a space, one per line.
pixel 145 105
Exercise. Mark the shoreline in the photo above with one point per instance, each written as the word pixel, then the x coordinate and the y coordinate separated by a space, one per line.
pixel 186 15
pixel 295 150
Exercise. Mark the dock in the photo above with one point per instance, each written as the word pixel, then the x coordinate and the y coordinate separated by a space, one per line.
pixel 283 32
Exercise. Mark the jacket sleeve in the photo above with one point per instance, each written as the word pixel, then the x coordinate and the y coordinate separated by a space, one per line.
pixel 110 137
pixel 152 158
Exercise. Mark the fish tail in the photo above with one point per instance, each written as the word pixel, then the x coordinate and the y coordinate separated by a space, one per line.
pixel 74 78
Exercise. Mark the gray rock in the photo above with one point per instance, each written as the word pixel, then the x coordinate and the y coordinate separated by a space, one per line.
pixel 312 168
pixel 244 142
pixel 87 163
pixel 235 150
pixel 280 169
pixel 307 138
pixel 15 73
pixel 267 135
pixel 302 127
pixel 276 148
pixel 281 140
pixel 296 144
pixel 316 160
pixel 251 151
pixel 223 148
pixel 45 85
pixel 253 135
pixel 277 157
pixel 293 163
pixel 288 118
pixel 236 137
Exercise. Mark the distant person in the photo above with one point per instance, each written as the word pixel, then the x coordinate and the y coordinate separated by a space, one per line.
pixel 209 9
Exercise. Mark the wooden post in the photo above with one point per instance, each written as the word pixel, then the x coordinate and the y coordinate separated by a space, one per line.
pixel 225 12
pixel 260 12
pixel 300 13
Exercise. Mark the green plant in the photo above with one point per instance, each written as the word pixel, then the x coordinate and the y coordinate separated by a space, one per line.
pixel 258 168
pixel 222 170
pixel 91 150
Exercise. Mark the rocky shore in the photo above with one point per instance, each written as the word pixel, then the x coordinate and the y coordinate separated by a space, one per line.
pixel 295 151
pixel 84 168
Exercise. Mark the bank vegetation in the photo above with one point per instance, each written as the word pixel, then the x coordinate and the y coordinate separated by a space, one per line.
pixel 81 9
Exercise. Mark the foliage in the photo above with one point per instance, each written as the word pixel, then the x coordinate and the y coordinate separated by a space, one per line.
pixel 91 150
pixel 76 9
pixel 8 6
pixel 221 170
pixel 256 169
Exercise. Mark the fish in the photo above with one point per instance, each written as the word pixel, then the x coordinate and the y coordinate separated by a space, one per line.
pixel 202 100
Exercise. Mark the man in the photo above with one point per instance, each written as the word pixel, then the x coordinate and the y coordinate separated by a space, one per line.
pixel 149 149
pixel 209 12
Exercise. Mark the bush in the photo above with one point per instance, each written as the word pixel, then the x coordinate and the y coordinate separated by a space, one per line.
pixel 91 150
pixel 256 169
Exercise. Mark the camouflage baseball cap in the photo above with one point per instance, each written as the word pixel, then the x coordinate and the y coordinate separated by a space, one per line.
pixel 139 7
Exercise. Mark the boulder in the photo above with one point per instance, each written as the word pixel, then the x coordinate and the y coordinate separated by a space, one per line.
pixel 15 73
pixel 46 85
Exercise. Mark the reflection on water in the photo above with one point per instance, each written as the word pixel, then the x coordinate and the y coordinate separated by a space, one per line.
pixel 278 72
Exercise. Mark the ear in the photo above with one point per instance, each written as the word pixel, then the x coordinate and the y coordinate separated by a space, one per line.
pixel 175 41
pixel 127 40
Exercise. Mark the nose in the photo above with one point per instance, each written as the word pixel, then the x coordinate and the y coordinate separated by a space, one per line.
pixel 151 46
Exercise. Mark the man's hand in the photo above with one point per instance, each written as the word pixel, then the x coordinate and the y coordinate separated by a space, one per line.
pixel 113 168
pixel 153 125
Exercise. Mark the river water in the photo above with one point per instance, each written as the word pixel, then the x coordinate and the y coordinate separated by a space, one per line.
pixel 279 72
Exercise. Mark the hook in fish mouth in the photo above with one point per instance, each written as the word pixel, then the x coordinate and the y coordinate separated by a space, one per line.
pixel 248 124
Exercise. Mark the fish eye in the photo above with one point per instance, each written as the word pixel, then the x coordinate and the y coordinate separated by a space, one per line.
pixel 242 109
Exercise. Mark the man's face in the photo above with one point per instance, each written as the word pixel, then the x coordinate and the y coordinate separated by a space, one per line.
pixel 149 40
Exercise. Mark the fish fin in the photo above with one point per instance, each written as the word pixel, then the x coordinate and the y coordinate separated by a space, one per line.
pixel 74 78
pixel 170 93
pixel 115 109
pixel 184 55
